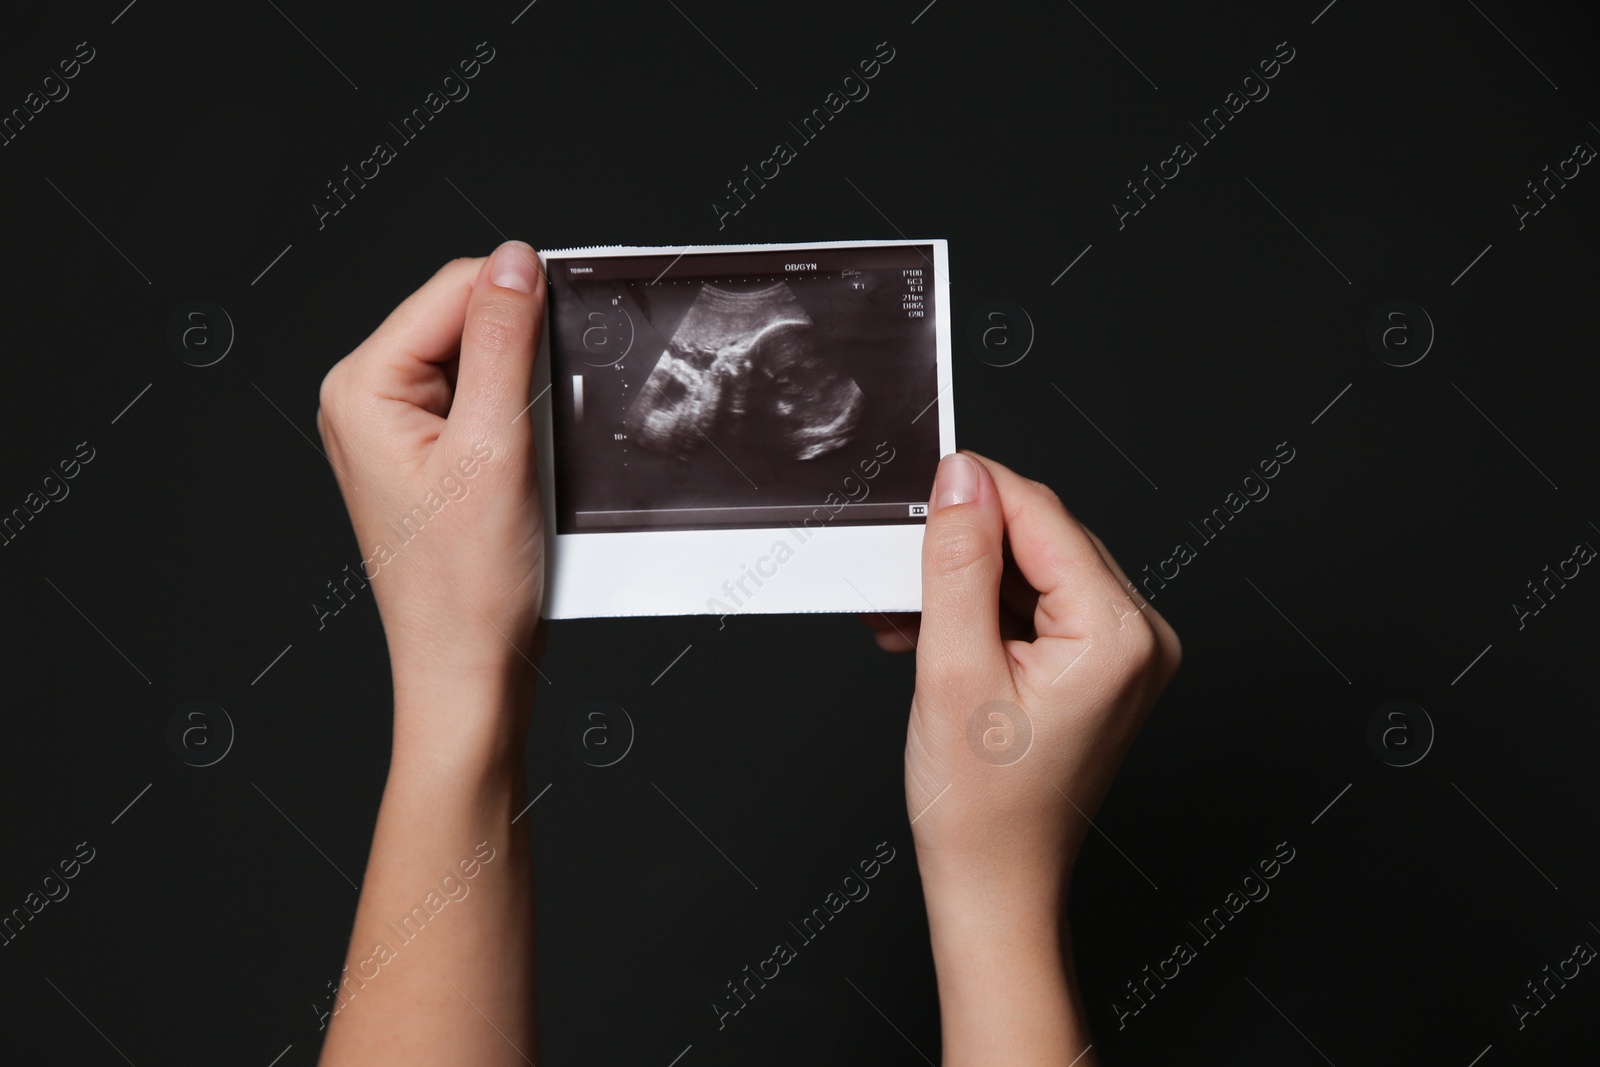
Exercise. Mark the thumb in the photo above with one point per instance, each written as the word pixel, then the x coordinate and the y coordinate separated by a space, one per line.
pixel 959 652
pixel 505 315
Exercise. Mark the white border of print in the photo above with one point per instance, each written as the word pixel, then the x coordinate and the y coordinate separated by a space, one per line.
pixel 674 572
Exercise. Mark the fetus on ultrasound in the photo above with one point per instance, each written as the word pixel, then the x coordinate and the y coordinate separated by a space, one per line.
pixel 745 369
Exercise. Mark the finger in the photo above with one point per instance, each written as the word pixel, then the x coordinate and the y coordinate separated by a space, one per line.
pixel 901 628
pixel 1129 591
pixel 959 649
pixel 427 324
pixel 426 327
pixel 1130 600
pixel 897 632
pixel 1106 557
pixel 499 337
pixel 896 641
pixel 401 359
pixel 1053 552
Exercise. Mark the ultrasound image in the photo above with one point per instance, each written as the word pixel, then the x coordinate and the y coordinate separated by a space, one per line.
pixel 743 358
pixel 737 390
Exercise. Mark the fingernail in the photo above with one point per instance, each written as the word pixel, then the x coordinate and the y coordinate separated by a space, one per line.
pixel 956 482
pixel 514 266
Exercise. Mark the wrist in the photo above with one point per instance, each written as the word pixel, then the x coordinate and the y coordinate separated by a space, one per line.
pixel 477 658
pixel 1001 960
pixel 1023 872
pixel 972 908
pixel 462 723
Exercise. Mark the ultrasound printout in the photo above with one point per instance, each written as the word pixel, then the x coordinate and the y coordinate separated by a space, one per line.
pixel 727 390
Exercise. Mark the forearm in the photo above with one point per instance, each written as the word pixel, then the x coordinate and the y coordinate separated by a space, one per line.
pixel 440 967
pixel 1007 991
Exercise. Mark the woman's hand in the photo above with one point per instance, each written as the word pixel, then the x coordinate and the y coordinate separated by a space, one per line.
pixel 1035 669
pixel 425 424
pixel 1034 673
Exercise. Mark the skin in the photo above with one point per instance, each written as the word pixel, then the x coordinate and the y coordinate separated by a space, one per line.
pixel 1021 604
pixel 1048 629
pixel 447 373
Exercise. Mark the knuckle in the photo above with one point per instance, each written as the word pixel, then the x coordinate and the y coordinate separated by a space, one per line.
pixel 1154 651
pixel 331 393
pixel 1141 640
pixel 453 265
pixel 1135 641
pixel 955 548
pixel 1171 646
pixel 1044 495
pixel 496 326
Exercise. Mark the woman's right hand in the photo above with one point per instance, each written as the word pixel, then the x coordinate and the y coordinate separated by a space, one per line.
pixel 1037 662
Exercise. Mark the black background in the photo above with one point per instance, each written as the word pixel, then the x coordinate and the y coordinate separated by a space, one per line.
pixel 1196 339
